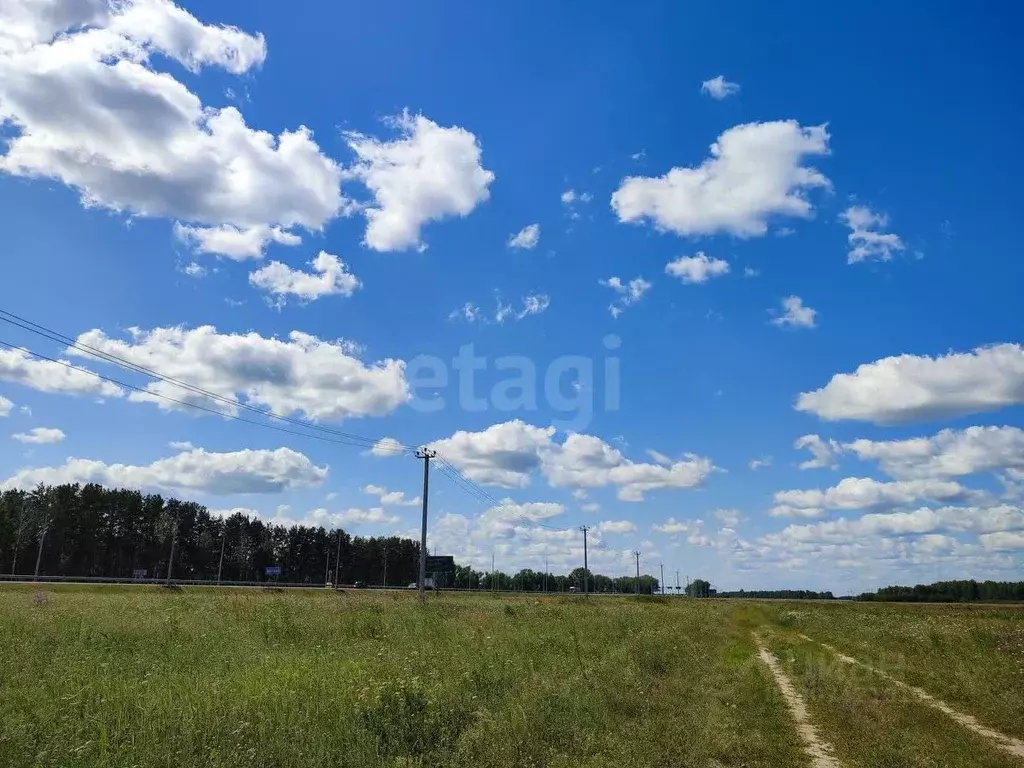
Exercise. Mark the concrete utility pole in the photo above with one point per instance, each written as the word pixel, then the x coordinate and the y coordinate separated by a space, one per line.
pixel 662 583
pixel 426 454
pixel 545 573
pixel 385 566
pixel 584 528
pixel 174 548
pixel 337 559
pixel 636 554
pixel 220 564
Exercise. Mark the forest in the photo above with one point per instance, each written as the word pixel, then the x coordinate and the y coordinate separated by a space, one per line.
pixel 963 591
pixel 87 530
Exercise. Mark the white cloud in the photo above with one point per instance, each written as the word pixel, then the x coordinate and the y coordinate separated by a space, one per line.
pixel 86 106
pixel 330 277
pixel 40 436
pixel 427 174
pixel 507 454
pixel 391 498
pixel 673 526
pixel 616 526
pixel 1004 540
pixel 387 447
pixel 371 516
pixel 45 376
pixel 234 242
pixel 949 453
pixel 824 452
pixel 629 293
pixel 917 522
pixel 750 272
pixel 867 240
pixel 697 269
pixel 570 196
pixel 193 269
pixel 755 171
pixel 248 471
pixel 719 88
pixel 224 514
pixel 908 388
pixel 866 492
pixel 469 311
pixel 764 461
pixel 5 406
pixel 796 314
pixel 182 445
pixel 527 238
pixel 534 304
pixel 320 379
pixel 729 518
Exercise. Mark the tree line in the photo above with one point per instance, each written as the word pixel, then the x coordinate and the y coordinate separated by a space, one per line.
pixel 87 530
pixel 780 594
pixel 78 530
pixel 964 591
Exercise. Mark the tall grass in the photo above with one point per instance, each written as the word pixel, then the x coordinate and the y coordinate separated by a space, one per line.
pixel 114 676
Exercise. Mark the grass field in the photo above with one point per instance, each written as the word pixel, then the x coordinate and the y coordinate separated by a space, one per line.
pixel 140 676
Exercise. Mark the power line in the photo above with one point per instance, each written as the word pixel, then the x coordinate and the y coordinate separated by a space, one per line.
pixel 89 351
pixel 185 403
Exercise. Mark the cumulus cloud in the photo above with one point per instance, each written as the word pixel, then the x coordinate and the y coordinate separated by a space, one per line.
pixel 527 238
pixel 46 376
pixel 719 88
pixel 1004 540
pixel 867 240
pixel 507 454
pixel 755 171
pixel 40 436
pixel 823 452
pixel 320 379
pixel 795 314
pixel 616 526
pixel 329 277
pixel 764 461
pixel 247 471
pixel 234 242
pixel 427 173
pixel 141 142
pixel 629 293
pixel 5 406
pixel 920 521
pixel 697 269
pixel 387 447
pixel 949 453
pixel 866 492
pixel 909 388
pixel 371 516
pixel 391 498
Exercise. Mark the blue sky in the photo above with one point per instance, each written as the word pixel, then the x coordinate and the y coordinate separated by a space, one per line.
pixel 864 172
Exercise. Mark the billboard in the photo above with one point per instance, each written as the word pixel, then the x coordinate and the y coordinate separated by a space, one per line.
pixel 440 563
pixel 273 570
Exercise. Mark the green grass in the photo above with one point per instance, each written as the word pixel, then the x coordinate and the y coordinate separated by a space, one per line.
pixel 140 676
pixel 970 656
pixel 144 677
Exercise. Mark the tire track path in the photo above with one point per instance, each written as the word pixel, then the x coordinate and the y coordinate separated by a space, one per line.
pixel 819 751
pixel 1010 744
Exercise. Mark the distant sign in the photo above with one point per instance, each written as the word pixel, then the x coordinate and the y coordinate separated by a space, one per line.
pixel 439 563
pixel 139 573
pixel 273 570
